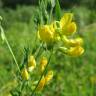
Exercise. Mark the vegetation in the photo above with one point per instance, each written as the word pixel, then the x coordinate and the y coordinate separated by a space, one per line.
pixel 72 76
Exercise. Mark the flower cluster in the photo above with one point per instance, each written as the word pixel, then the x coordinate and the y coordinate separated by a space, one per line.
pixel 30 67
pixel 62 31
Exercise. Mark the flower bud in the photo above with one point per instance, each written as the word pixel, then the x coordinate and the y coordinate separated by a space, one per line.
pixel 43 63
pixel 41 84
pixel 31 63
pixel 24 74
pixel 75 51
pixel 72 42
pixel 72 51
pixel 48 77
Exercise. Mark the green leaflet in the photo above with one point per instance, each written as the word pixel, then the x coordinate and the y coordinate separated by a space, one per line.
pixel 57 10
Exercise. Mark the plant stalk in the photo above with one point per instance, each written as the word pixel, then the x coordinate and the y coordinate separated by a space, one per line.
pixel 42 73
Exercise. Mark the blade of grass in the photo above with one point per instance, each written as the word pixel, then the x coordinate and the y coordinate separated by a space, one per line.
pixel 9 47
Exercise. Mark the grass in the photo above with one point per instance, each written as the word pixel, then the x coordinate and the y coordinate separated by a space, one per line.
pixel 71 75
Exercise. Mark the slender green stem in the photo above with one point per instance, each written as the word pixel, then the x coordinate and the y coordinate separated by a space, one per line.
pixel 42 73
pixel 38 50
pixel 12 54
pixel 51 14
pixel 10 49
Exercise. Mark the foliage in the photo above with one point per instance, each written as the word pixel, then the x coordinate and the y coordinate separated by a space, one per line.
pixel 71 75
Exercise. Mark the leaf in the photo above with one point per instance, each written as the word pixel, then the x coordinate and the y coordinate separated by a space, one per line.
pixel 0 18
pixel 57 10
pixel 2 33
pixel 53 3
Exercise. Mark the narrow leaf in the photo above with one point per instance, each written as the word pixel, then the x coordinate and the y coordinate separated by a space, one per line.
pixel 57 10
pixel 53 3
pixel 2 33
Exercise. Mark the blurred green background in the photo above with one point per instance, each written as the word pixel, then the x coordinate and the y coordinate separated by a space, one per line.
pixel 71 75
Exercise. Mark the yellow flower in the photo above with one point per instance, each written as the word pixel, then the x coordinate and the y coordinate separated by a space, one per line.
pixel 68 27
pixel 43 63
pixel 48 77
pixel 71 28
pixel 66 19
pixel 41 84
pixel 31 63
pixel 75 51
pixel 24 74
pixel 46 34
pixel 72 51
pixel 72 42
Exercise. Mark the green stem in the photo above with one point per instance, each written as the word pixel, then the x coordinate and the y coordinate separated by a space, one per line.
pixel 10 49
pixel 42 73
pixel 12 54
pixel 38 50
pixel 51 14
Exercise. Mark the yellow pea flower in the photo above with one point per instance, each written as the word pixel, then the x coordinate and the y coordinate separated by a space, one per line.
pixel 41 84
pixel 72 42
pixel 48 77
pixel 46 34
pixel 71 28
pixel 31 63
pixel 43 63
pixel 72 51
pixel 68 27
pixel 66 19
pixel 24 74
pixel 75 51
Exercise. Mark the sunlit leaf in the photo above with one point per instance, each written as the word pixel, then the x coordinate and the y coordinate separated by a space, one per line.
pixel 53 3
pixel 2 33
